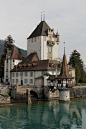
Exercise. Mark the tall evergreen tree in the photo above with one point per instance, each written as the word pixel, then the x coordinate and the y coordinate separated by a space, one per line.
pixel 8 44
pixel 76 62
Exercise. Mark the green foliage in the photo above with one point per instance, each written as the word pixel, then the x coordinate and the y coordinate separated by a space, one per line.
pixel 6 95
pixel 8 44
pixel 76 62
pixel 81 84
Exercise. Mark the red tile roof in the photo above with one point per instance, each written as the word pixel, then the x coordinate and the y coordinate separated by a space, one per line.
pixel 32 63
pixel 15 54
pixel 31 57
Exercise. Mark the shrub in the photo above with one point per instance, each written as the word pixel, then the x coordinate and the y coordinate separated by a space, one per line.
pixel 6 95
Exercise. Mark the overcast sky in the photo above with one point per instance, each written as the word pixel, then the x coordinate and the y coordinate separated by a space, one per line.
pixel 19 18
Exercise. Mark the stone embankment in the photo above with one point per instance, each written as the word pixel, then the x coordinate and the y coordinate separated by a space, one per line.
pixel 4 100
pixel 78 91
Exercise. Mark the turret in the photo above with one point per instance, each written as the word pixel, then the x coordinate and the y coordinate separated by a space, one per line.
pixel 64 81
pixel 57 35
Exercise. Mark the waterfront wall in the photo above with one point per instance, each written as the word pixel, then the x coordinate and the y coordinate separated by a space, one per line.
pixel 42 93
pixel 78 91
pixel 4 100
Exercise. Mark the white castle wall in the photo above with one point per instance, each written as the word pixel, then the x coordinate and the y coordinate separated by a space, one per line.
pixel 34 46
pixel 40 46
pixel 55 51
pixel 8 66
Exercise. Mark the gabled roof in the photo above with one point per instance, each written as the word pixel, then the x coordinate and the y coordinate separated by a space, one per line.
pixel 40 30
pixel 32 63
pixel 15 54
pixel 31 57
pixel 64 70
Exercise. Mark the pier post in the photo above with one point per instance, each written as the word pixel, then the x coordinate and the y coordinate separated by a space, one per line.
pixel 28 96
pixel 17 87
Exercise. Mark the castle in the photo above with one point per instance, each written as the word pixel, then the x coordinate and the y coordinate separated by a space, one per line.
pixel 41 61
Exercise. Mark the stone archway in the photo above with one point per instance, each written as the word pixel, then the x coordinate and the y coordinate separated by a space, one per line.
pixel 33 95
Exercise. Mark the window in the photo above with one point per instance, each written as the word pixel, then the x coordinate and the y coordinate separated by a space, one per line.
pixel 31 74
pixel 16 80
pixel 25 80
pixel 16 74
pixel 35 39
pixel 44 38
pixel 50 58
pixel 7 60
pixel 31 81
pixel 64 81
pixel 50 49
pixel 25 73
pixel 6 73
pixel 52 72
pixel 50 38
pixel 32 39
pixel 21 73
pixel 13 80
pixel 13 74
pixel 6 66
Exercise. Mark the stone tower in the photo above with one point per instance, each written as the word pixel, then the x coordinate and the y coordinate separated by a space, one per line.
pixel 44 41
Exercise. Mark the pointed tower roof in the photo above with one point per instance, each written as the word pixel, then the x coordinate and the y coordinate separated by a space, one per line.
pixel 57 34
pixel 40 30
pixel 15 54
pixel 64 70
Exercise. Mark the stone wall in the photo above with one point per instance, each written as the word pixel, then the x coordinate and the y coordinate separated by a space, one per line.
pixel 78 91
pixel 4 100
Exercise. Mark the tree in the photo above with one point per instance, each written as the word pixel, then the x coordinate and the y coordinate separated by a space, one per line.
pixel 76 62
pixel 8 44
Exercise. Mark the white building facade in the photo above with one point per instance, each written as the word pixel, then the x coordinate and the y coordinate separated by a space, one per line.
pixel 44 42
pixel 12 59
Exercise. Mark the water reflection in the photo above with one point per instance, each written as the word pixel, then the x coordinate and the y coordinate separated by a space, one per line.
pixel 44 115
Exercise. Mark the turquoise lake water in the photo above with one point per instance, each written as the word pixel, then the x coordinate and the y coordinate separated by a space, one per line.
pixel 45 115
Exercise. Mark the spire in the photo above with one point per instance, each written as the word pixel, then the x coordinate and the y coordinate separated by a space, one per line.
pixel 57 33
pixel 44 15
pixel 64 48
pixel 41 16
pixel 57 30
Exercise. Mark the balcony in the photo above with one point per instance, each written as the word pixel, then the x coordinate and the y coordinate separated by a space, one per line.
pixel 50 43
